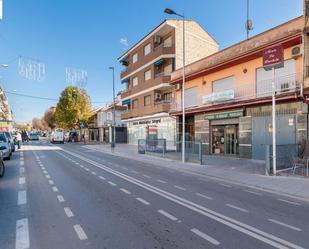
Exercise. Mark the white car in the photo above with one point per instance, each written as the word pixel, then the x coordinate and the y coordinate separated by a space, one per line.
pixel 57 136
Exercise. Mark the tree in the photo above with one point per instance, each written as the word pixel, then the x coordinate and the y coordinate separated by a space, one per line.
pixel 37 124
pixel 49 118
pixel 73 107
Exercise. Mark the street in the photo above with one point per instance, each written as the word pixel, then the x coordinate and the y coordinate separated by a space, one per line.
pixel 68 196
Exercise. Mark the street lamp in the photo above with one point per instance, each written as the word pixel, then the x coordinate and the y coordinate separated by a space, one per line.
pixel 113 127
pixel 172 12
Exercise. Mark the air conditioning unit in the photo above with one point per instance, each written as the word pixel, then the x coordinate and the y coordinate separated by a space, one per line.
pixel 157 39
pixel 158 96
pixel 296 51
pixel 177 87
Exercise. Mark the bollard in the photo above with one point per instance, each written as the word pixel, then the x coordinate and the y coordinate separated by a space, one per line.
pixel 267 161
pixel 164 147
pixel 200 153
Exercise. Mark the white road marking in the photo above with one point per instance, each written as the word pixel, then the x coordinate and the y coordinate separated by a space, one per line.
pixel 102 177
pixel 225 185
pixel 252 192
pixel 87 169
pixel 55 189
pixel 82 166
pixel 22 197
pixel 21 170
pixel 244 228
pixel 147 176
pixel 113 184
pixel 47 176
pixel 22 234
pixel 22 163
pixel 205 236
pixel 51 182
pixel 204 196
pixel 76 163
pixel 178 187
pixel 125 191
pixel 237 208
pixel 290 202
pixel 161 181
pixel 285 225
pixel 60 198
pixel 80 232
pixel 68 212
pixel 142 201
pixel 167 215
pixel 22 180
pixel 45 172
pixel 94 173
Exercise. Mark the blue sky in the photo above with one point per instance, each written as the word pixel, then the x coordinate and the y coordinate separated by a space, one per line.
pixel 85 34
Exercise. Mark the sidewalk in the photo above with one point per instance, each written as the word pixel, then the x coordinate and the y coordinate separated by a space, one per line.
pixel 232 170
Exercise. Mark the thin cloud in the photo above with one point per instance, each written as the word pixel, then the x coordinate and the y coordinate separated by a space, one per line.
pixel 124 41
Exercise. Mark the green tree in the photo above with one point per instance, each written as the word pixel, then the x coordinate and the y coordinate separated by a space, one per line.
pixel 73 107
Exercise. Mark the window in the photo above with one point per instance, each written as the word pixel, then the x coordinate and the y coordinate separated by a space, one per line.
pixel 147 49
pixel 167 42
pixel 147 74
pixel 223 84
pixel 135 81
pixel 134 104
pixel 167 97
pixel 147 100
pixel 191 97
pixel 168 69
pixel 109 116
pixel 134 58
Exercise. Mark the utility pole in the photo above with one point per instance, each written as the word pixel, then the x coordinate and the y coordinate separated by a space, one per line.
pixel 113 143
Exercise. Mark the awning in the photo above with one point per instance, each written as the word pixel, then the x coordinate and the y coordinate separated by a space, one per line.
pixel 126 102
pixel 125 80
pixel 159 62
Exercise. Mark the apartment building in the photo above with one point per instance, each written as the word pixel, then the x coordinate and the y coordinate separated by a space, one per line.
pixel 146 75
pixel 228 96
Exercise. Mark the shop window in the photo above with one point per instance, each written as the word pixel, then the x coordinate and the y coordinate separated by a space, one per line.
pixel 147 100
pixel 134 58
pixel 147 49
pixel 147 74
pixel 135 81
pixel 135 104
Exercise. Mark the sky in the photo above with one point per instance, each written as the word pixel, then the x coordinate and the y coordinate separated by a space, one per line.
pixel 91 34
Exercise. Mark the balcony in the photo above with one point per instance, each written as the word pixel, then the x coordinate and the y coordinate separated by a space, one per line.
pixel 142 60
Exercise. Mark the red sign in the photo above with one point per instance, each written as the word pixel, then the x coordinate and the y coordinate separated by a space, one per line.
pixel 273 57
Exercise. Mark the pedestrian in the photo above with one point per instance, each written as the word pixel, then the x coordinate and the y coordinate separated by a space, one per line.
pixel 19 139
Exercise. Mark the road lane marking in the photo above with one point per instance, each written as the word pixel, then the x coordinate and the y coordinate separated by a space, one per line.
pixel 178 187
pixel 125 191
pixel 22 180
pixel 167 215
pixel 80 232
pixel 22 163
pixel 252 192
pixel 45 172
pixel 60 198
pixel 147 176
pixel 22 197
pixel 47 176
pixel 237 208
pixel 205 236
pixel 76 163
pixel 87 169
pixel 102 177
pixel 204 196
pixel 21 170
pixel 161 181
pixel 113 184
pixel 22 234
pixel 94 173
pixel 244 228
pixel 55 189
pixel 225 185
pixel 142 201
pixel 51 182
pixel 82 166
pixel 68 212
pixel 285 225
pixel 290 202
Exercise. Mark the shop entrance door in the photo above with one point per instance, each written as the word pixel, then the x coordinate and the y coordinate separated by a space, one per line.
pixel 230 145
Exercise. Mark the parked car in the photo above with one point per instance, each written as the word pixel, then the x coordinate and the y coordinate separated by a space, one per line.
pixel 57 136
pixel 11 140
pixel 5 146
pixel 34 136
pixel 2 167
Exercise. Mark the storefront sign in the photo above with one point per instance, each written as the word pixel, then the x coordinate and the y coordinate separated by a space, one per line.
pixel 151 121
pixel 273 57
pixel 219 96
pixel 233 114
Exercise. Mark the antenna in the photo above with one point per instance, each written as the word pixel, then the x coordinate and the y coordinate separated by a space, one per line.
pixel 248 24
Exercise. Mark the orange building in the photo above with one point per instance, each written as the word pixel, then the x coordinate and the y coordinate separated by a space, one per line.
pixel 228 96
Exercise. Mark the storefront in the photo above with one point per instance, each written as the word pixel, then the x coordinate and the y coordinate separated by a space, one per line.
pixel 153 127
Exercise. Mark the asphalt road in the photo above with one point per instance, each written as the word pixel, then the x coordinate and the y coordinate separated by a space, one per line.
pixel 67 196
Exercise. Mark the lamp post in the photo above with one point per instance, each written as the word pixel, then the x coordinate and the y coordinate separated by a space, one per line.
pixel 113 143
pixel 172 12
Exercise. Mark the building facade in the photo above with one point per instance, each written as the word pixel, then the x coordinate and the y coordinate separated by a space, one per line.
pixel 6 115
pixel 228 96
pixel 146 75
